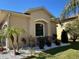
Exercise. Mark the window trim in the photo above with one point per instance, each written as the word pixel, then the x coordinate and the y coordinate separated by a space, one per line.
pixel 43 28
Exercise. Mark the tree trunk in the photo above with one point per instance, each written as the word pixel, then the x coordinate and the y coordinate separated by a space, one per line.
pixel 13 48
pixel 17 43
pixel 12 40
pixel 7 43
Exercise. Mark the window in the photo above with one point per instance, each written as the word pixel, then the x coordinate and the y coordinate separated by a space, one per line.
pixel 39 30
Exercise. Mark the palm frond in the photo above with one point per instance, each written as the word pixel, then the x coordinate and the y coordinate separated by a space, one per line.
pixel 72 6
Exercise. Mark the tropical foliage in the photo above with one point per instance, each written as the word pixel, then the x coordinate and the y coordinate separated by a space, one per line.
pixel 11 33
pixel 72 7
pixel 73 28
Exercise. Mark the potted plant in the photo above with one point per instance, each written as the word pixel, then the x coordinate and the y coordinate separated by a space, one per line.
pixel 41 42
pixel 48 41
pixel 57 42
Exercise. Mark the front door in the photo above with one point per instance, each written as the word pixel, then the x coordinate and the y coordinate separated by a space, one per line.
pixel 39 30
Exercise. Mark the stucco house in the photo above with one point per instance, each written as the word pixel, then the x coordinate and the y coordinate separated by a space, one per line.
pixel 36 22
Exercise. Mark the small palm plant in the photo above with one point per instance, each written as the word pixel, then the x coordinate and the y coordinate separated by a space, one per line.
pixel 17 32
pixel 10 32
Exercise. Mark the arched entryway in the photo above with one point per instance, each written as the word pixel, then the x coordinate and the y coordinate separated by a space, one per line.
pixel 40 29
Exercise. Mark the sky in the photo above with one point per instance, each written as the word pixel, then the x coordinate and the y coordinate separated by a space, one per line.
pixel 55 7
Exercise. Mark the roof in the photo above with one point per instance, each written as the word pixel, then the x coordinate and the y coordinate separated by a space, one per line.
pixel 15 12
pixel 69 19
pixel 38 8
pixel 54 20
pixel 27 13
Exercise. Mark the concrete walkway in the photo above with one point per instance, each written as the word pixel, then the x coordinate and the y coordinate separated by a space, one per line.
pixel 26 52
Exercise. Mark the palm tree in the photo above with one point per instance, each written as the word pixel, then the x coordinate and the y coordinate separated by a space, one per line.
pixel 71 7
pixel 11 32
pixel 17 32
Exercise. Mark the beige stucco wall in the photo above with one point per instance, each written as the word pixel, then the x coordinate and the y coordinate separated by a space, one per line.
pixel 16 20
pixel 27 22
pixel 3 15
pixel 40 16
pixel 20 21
pixel 53 28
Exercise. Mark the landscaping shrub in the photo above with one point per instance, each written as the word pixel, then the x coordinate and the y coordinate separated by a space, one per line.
pixel 41 42
pixel 64 37
pixel 57 42
pixel 23 40
pixel 48 41
pixel 31 41
pixel 74 38
pixel 54 37
pixel 2 49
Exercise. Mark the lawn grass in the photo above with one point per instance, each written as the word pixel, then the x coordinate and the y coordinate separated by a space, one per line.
pixel 67 52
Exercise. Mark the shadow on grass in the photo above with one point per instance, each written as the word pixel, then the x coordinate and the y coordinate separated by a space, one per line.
pixel 73 45
pixel 43 57
pixel 34 57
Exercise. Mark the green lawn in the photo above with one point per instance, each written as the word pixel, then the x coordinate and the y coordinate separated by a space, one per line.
pixel 66 52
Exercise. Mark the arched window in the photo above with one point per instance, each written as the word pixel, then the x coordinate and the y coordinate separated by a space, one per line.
pixel 39 29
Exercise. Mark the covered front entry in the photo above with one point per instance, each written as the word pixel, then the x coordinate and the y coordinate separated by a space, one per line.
pixel 39 29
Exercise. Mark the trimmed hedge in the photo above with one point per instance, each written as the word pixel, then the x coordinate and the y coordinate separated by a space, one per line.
pixel 41 42
pixel 48 41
